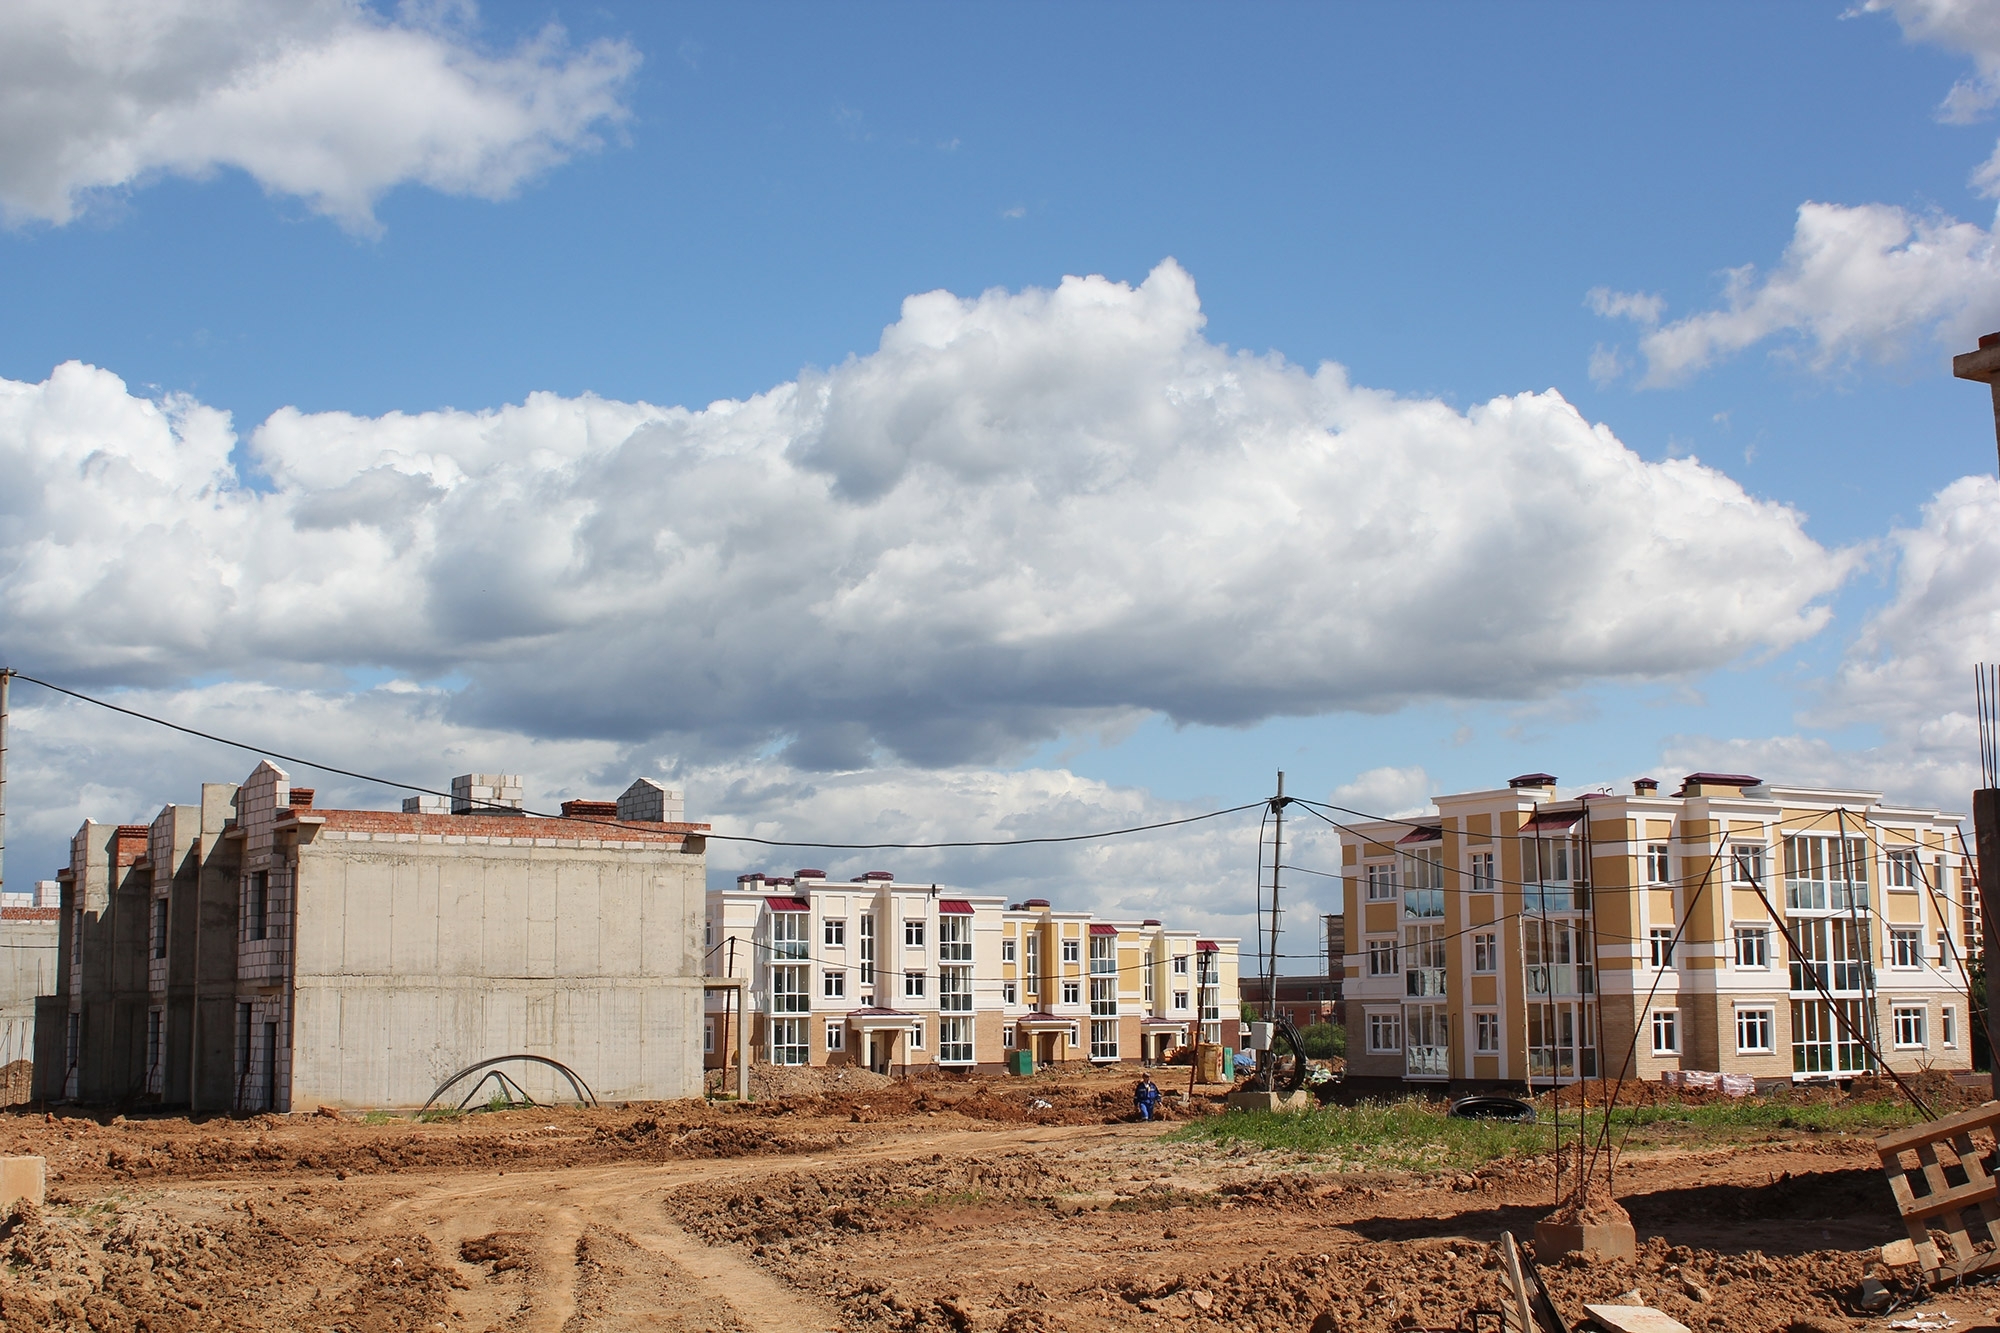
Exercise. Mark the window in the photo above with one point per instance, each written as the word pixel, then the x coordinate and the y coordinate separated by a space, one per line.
pixel 1072 992
pixel 1486 1033
pixel 1483 878
pixel 708 1036
pixel 1755 1032
pixel 1902 871
pixel 913 934
pixel 1385 1032
pixel 1146 974
pixel 867 949
pixel 1660 946
pixel 1944 948
pixel 159 927
pixel 1666 1031
pixel 1909 1026
pixel 1071 951
pixel 1948 1025
pixel 954 939
pixel 1104 1039
pixel 788 1041
pixel 917 1035
pixel 833 930
pixel 1180 999
pixel 258 910
pixel 76 939
pixel 1381 883
pixel 836 1035
pixel 1486 952
pixel 1009 993
pixel 1823 873
pixel 1007 1035
pixel 833 984
pixel 954 1041
pixel 154 1022
pixel 913 985
pixel 1104 996
pixel 1180 964
pixel 1906 947
pixel 1746 862
pixel 1007 950
pixel 1072 1034
pixel 1034 965
pixel 788 991
pixel 1657 871
pixel 1423 884
pixel 955 990
pixel 1382 958
pixel 1752 946
pixel 74 1039
pixel 708 931
pixel 788 935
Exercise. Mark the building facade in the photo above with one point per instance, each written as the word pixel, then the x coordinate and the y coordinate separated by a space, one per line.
pixel 255 952
pixel 889 975
pixel 1738 926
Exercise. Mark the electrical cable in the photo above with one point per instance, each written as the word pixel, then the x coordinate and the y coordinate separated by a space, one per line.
pixel 612 823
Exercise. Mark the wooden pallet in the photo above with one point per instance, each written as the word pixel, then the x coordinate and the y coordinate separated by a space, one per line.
pixel 1966 1209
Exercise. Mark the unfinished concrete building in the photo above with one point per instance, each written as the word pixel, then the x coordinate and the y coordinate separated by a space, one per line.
pixel 254 952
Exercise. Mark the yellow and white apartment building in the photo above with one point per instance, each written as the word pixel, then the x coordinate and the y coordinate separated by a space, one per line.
pixel 1735 926
pixel 893 976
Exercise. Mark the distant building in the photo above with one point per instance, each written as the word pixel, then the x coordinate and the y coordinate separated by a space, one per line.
pixel 1305 1000
pixel 255 952
pixel 1735 926
pixel 892 975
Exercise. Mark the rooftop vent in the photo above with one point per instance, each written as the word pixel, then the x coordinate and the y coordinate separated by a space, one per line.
pixel 650 802
pixel 1533 780
pixel 486 794
pixel 881 876
pixel 1645 787
pixel 1037 902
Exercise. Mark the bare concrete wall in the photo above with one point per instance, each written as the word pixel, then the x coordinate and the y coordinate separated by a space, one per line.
pixel 416 958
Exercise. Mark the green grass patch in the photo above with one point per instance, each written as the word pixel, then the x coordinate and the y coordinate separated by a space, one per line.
pixel 1414 1135
pixel 380 1118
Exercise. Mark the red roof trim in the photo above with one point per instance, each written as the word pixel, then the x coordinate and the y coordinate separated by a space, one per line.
pixel 954 907
pixel 1096 929
pixel 789 904
pixel 1205 946
pixel 1423 833
pixel 1557 819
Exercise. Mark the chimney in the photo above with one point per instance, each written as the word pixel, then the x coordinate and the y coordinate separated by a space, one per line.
pixel 1646 787
pixel 1530 781
pixel 486 794
pixel 302 798
pixel 650 802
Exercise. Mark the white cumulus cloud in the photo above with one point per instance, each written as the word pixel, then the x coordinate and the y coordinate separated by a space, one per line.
pixel 324 100
pixel 1024 513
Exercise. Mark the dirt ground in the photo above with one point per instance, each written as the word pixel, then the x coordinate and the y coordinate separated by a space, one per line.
pixel 1011 1206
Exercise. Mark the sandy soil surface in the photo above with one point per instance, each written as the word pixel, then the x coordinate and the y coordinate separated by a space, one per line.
pixel 1007 1207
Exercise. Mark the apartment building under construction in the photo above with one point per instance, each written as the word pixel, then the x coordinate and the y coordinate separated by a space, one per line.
pixel 891 975
pixel 1738 926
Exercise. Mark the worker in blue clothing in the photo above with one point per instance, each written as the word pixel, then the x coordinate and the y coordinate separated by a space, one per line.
pixel 1146 1096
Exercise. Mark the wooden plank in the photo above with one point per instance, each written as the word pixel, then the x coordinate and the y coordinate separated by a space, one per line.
pixel 1519 1318
pixel 1952 1200
pixel 1983 1116
pixel 1635 1319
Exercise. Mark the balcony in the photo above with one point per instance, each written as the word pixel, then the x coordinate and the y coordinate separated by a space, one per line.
pixel 1423 982
pixel 1562 979
pixel 1427 1062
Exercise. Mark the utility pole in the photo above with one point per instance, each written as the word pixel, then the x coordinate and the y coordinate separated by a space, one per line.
pixel 1278 804
pixel 6 679
pixel 1983 365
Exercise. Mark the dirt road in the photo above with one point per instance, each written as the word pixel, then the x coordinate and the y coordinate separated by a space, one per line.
pixel 871 1212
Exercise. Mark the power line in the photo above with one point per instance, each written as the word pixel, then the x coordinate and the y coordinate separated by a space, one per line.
pixel 612 823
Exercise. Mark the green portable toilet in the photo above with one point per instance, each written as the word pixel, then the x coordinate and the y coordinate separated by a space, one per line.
pixel 1021 1062
pixel 1228 1065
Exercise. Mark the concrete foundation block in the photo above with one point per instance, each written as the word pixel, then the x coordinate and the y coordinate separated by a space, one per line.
pixel 23 1179
pixel 1593 1240
pixel 1249 1099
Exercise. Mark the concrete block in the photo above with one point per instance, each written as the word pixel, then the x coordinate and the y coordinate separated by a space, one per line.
pixel 23 1179
pixel 1593 1240
pixel 1249 1099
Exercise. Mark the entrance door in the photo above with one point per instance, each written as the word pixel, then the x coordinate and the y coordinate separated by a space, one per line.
pixel 881 1050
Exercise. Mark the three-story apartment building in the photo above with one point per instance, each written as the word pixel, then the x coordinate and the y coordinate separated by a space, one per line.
pixel 887 975
pixel 1734 925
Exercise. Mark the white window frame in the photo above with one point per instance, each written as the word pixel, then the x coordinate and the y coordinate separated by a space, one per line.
pixel 917 1035
pixel 913 985
pixel 1902 869
pixel 1180 1000
pixel 1008 951
pixel 1380 878
pixel 1758 939
pixel 1072 992
pixel 1660 948
pixel 1383 959
pixel 1948 1027
pixel 1480 869
pixel 1486 952
pixel 1485 1032
pixel 1659 864
pixel 1010 992
pixel 789 1038
pixel 1385 1031
pixel 1666 1027
pixel 1908 1024
pixel 1747 862
pixel 913 932
pixel 1007 1035
pixel 1751 1018
pixel 955 1039
pixel 1072 951
pixel 836 1034
pixel 708 1036
pixel 833 931
pixel 1180 964
pixel 1906 948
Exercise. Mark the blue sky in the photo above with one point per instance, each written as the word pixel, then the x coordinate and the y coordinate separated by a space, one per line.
pixel 675 205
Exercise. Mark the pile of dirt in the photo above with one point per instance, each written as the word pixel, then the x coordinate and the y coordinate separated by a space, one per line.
pixel 17 1082
pixel 767 1081
pixel 801 1209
